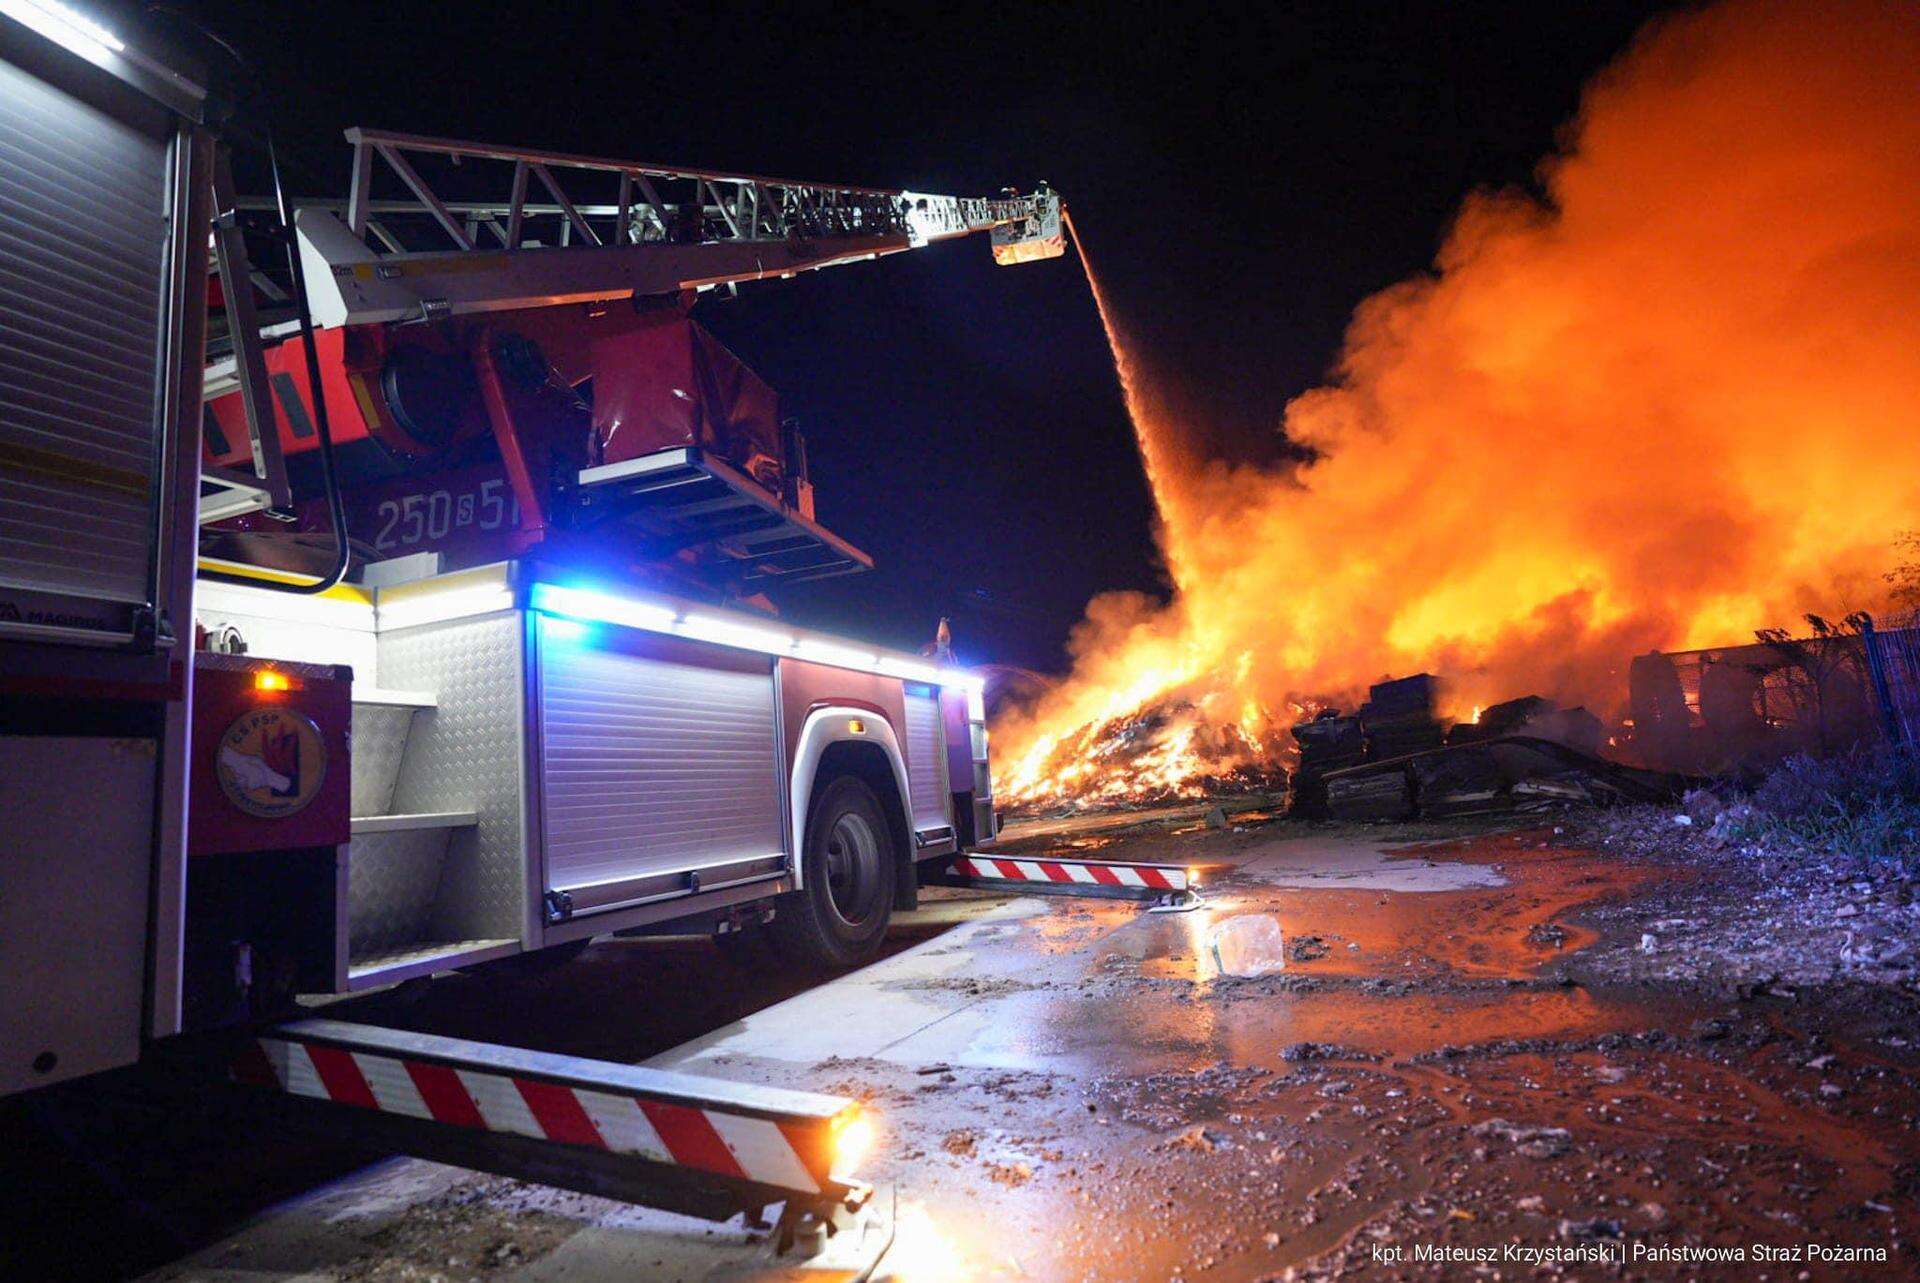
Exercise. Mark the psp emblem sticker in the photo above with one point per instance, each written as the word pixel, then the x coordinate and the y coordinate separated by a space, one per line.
pixel 272 762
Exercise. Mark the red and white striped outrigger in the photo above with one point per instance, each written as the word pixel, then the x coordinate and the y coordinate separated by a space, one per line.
pixel 1126 879
pixel 703 1146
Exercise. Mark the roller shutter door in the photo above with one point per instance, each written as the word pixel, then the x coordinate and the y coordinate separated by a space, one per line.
pixel 926 753
pixel 83 250
pixel 651 766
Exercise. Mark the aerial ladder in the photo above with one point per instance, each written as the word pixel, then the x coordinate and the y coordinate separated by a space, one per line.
pixel 450 328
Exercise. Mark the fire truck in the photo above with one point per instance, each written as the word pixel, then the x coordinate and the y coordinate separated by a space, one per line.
pixel 399 607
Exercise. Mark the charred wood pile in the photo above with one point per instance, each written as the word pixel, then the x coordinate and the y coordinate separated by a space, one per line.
pixel 1533 715
pixel 1516 773
pixel 1364 794
pixel 1394 759
pixel 1398 718
pixel 1328 743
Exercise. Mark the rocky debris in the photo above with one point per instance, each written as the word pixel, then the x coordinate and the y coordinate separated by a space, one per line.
pixel 472 1229
pixel 1011 1174
pixel 1232 989
pixel 1547 935
pixel 1169 1101
pixel 972 986
pixel 1203 1139
pixel 1533 1142
pixel 1745 918
pixel 1307 948
pixel 1301 1052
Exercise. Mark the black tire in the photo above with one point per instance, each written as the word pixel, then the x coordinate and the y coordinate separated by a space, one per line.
pixel 848 868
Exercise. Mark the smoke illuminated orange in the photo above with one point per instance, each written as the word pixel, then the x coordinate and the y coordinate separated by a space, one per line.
pixel 1671 402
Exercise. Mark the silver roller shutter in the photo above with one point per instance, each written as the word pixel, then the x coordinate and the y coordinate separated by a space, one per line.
pixel 83 245
pixel 651 767
pixel 926 761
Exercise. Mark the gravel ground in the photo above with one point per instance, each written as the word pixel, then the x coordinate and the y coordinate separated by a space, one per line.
pixel 1741 919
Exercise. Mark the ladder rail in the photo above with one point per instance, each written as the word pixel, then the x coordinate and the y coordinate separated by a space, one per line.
pixel 730 205
pixel 435 227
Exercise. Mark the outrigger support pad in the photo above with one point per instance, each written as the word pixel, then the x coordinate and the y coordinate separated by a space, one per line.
pixel 1114 879
pixel 703 1147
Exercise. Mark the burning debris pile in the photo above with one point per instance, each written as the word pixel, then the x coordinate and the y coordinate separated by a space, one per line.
pixel 1392 759
pixel 1170 751
pixel 1661 403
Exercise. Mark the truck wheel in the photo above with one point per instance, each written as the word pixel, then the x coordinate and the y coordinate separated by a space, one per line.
pixel 839 916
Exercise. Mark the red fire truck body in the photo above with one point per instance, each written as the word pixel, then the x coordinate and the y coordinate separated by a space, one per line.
pixel 541 697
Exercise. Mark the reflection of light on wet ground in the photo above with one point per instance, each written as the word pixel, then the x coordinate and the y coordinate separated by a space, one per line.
pixel 1195 931
pixel 921 1251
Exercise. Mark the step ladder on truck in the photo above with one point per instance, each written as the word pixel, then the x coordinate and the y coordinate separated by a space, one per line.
pixel 401 611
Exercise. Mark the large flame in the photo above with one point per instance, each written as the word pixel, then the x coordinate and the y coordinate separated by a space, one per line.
pixel 1676 399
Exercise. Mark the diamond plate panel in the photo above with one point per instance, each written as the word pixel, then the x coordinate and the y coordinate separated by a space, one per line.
pixel 394 959
pixel 465 755
pixel 392 880
pixel 379 741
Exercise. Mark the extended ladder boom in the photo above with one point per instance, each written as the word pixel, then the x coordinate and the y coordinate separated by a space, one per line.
pixel 626 228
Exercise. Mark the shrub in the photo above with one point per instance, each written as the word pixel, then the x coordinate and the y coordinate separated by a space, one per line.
pixel 1863 803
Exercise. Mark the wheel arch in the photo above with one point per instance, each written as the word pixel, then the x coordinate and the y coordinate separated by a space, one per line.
pixel 828 746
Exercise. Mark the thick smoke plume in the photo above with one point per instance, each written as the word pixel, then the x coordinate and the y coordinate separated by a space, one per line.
pixel 1675 399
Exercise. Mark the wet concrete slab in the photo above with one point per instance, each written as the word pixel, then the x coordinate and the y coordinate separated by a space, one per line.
pixel 1315 863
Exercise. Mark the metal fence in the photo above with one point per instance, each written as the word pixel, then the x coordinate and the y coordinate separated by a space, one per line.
pixel 1893 659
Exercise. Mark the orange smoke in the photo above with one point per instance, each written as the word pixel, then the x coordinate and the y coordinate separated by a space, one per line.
pixel 1676 400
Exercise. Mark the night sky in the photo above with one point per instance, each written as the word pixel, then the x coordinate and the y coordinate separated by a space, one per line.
pixel 1242 178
